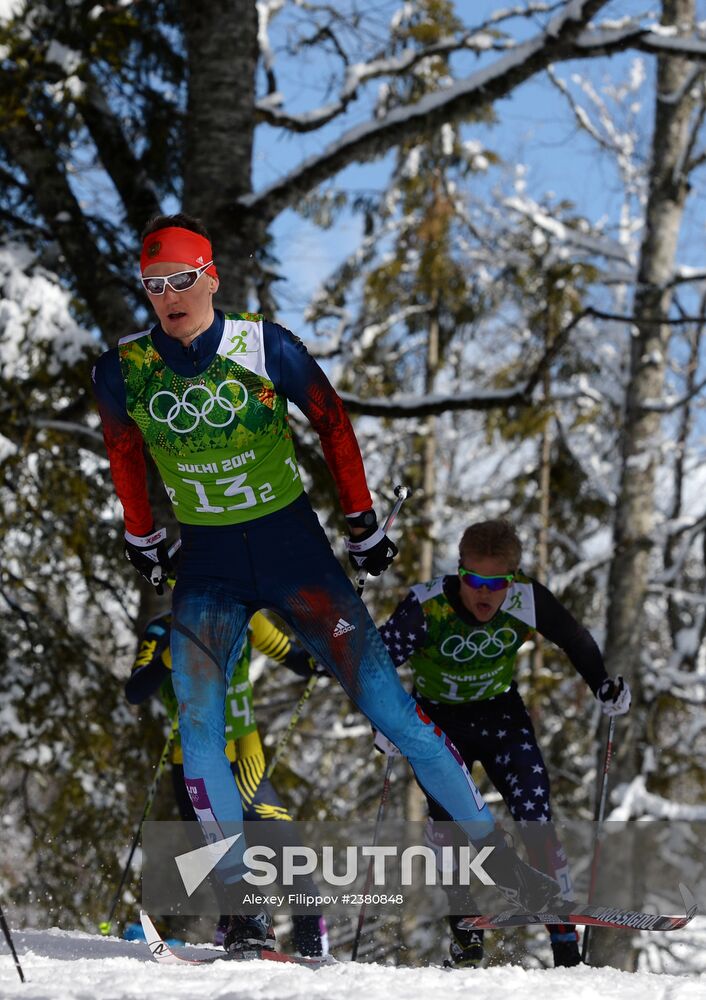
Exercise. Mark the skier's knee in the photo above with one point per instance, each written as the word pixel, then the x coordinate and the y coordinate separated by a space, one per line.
pixel 416 736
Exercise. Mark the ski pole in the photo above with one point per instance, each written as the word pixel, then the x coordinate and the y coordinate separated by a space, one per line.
pixel 369 876
pixel 106 925
pixel 598 836
pixel 11 945
pixel 401 492
pixel 296 715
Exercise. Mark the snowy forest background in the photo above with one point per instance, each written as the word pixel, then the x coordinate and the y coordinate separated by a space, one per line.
pixel 371 177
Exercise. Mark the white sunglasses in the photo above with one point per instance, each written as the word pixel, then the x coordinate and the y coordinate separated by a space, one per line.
pixel 180 281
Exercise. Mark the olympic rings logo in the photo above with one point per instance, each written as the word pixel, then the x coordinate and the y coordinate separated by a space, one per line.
pixel 195 413
pixel 463 648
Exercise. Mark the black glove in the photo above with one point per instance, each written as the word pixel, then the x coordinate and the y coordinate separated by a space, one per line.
pixel 150 557
pixel 304 665
pixel 372 551
pixel 614 696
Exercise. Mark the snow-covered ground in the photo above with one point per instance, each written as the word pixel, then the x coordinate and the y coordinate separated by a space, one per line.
pixel 62 965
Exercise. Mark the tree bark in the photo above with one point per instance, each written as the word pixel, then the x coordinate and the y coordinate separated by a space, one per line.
pixel 99 287
pixel 426 562
pixel 635 513
pixel 541 567
pixel 222 45
pixel 674 544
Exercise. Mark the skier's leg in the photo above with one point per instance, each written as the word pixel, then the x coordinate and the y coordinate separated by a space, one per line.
pixel 355 654
pixel 208 628
pixel 516 767
pixel 262 803
pixel 195 836
pixel 307 587
pixel 181 796
pixel 466 948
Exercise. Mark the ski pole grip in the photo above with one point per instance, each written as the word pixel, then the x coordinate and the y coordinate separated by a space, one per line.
pixel 402 493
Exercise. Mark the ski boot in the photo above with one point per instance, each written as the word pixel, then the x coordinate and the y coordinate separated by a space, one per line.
pixel 565 946
pixel 247 936
pixel 466 948
pixel 522 885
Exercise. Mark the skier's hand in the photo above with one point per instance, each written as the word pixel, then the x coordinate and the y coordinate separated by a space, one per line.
pixel 614 696
pixel 370 550
pixel 383 745
pixel 150 557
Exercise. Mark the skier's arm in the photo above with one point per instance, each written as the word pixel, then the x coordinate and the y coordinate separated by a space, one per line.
pixel 405 630
pixel 297 375
pixel 152 663
pixel 558 625
pixel 271 641
pixel 124 444
pixel 268 639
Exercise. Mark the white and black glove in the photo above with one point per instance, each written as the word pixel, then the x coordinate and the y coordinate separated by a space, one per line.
pixel 383 745
pixel 370 551
pixel 150 557
pixel 614 696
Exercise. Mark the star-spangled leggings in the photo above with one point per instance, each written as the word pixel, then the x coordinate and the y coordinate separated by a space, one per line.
pixel 498 733
pixel 284 562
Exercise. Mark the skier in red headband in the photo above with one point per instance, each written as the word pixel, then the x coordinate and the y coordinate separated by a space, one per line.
pixel 208 394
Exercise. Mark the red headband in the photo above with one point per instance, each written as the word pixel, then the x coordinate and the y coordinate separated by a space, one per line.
pixel 175 245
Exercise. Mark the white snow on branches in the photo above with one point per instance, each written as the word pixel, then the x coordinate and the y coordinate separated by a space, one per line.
pixel 35 315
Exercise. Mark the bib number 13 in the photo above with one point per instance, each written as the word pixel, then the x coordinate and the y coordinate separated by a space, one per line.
pixel 235 487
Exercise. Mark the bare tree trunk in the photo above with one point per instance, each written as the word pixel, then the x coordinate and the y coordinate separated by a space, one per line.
pixel 541 566
pixel 686 420
pixel 221 38
pixel 426 561
pixel 415 802
pixel 635 507
pixel 551 326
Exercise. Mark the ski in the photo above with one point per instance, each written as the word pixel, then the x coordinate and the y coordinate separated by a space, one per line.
pixel 163 953
pixel 590 916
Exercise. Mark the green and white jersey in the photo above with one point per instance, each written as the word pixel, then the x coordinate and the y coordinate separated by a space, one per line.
pixel 221 439
pixel 460 662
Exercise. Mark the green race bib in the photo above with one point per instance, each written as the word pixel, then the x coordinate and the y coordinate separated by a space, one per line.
pixel 462 662
pixel 221 439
